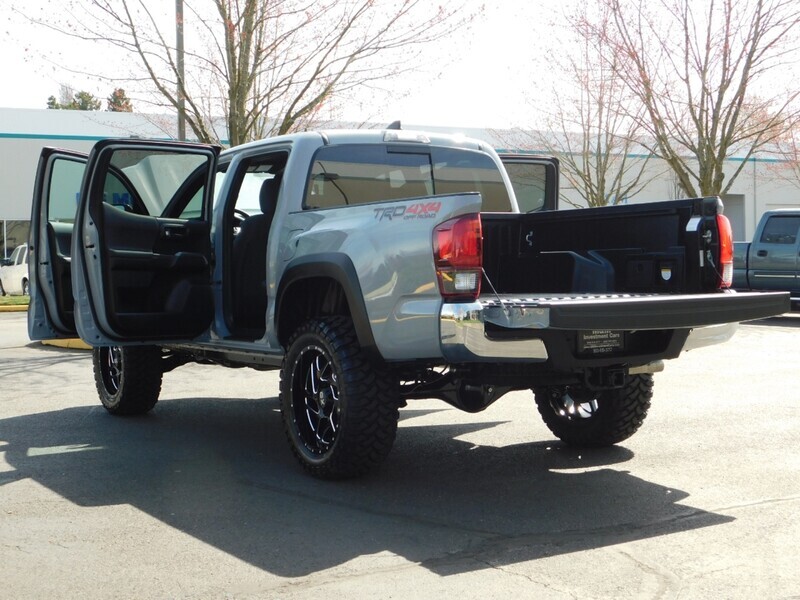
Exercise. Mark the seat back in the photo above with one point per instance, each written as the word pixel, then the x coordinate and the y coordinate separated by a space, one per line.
pixel 249 260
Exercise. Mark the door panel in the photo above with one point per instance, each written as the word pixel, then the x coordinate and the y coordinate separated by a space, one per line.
pixel 157 274
pixel 774 256
pixel 148 276
pixel 56 192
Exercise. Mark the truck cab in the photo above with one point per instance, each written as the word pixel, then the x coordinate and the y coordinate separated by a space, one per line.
pixel 772 260
pixel 179 243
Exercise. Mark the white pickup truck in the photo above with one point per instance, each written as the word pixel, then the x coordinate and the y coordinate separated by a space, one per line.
pixel 374 268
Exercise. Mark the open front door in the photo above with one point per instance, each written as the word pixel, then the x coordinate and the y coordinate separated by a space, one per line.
pixel 142 252
pixel 55 202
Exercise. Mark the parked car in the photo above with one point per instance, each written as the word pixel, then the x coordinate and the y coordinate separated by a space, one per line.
pixel 14 272
pixel 772 260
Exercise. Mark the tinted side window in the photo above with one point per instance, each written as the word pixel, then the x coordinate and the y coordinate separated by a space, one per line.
pixel 352 174
pixel 149 182
pixel 530 183
pixel 119 194
pixel 359 174
pixel 64 190
pixel 459 171
pixel 194 208
pixel 781 230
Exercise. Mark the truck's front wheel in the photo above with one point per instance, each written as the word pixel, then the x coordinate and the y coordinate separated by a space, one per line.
pixel 582 417
pixel 128 379
pixel 339 410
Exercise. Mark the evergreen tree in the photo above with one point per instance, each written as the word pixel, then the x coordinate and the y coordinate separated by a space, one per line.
pixel 73 100
pixel 118 101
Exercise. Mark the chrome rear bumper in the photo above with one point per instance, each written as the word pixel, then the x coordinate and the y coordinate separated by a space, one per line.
pixel 463 338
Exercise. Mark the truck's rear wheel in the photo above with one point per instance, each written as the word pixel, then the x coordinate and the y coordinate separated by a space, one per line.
pixel 128 379
pixel 582 417
pixel 339 411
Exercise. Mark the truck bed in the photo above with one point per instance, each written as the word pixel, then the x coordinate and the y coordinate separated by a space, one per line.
pixel 656 248
pixel 598 287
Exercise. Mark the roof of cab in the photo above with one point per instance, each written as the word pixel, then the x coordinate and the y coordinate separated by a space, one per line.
pixel 372 136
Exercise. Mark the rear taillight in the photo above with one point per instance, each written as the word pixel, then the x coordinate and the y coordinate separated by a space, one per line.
pixel 458 257
pixel 725 251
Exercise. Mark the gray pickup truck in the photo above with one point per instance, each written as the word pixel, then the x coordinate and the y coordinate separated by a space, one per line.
pixel 374 268
pixel 772 260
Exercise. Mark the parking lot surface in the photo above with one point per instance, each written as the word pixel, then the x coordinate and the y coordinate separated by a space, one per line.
pixel 202 498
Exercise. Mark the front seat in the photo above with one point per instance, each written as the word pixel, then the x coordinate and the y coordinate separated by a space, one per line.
pixel 250 261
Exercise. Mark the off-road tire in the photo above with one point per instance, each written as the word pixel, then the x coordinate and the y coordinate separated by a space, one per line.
pixel 26 288
pixel 340 410
pixel 580 417
pixel 128 379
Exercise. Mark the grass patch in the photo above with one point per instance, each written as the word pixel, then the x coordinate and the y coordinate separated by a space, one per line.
pixel 14 300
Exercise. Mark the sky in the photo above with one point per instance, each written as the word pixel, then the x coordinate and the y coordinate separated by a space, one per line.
pixel 479 78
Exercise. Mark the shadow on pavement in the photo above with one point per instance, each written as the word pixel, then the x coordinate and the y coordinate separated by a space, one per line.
pixel 220 470
pixel 786 320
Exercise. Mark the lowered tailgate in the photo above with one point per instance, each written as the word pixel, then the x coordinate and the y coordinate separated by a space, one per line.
pixel 627 312
pixel 595 330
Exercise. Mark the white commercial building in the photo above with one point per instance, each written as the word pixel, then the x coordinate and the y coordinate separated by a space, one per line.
pixel 23 134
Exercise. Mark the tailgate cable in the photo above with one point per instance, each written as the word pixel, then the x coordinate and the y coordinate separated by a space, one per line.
pixel 506 310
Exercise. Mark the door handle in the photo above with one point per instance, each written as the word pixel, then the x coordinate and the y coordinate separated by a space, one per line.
pixel 172 232
pixel 761 253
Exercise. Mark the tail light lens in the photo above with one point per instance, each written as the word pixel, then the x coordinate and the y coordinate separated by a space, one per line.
pixel 458 257
pixel 725 251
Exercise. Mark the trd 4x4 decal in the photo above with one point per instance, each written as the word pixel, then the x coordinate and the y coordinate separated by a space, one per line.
pixel 420 210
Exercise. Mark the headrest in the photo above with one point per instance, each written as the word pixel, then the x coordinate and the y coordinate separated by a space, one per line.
pixel 268 196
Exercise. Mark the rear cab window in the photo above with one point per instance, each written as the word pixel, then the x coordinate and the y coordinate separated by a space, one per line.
pixel 349 174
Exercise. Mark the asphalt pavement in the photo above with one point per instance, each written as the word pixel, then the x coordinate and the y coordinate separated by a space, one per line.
pixel 203 499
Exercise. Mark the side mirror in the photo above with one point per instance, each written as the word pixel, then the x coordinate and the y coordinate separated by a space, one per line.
pixel 5 262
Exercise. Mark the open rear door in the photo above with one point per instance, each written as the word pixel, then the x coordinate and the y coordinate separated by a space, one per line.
pixel 142 252
pixel 534 179
pixel 55 202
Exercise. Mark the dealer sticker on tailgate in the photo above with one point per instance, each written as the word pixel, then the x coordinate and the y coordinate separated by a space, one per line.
pixel 600 341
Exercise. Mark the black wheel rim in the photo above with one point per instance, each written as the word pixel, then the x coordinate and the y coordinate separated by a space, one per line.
pixel 111 368
pixel 316 406
pixel 573 403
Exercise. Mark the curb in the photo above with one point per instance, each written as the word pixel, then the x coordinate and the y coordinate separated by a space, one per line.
pixel 14 308
pixel 72 344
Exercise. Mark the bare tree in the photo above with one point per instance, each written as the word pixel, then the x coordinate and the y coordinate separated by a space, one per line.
pixel 714 78
pixel 593 126
pixel 268 66
pixel 787 153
